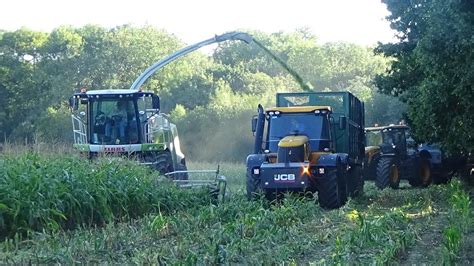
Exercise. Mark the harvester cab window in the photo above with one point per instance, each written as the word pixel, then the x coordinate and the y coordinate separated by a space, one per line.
pixel 114 121
pixel 315 127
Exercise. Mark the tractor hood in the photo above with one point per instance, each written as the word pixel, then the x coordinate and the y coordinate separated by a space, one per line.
pixel 292 141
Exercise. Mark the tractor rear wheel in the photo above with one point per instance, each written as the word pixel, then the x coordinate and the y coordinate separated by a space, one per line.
pixel 332 190
pixel 164 162
pixel 388 173
pixel 422 177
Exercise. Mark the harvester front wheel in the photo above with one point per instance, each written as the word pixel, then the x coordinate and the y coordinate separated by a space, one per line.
pixel 388 173
pixel 163 162
pixel 332 190
pixel 181 176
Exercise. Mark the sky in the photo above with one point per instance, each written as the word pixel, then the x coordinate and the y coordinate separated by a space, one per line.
pixel 356 21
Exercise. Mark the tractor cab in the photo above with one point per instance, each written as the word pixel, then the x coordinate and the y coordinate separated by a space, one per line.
pixel 294 133
pixel 388 140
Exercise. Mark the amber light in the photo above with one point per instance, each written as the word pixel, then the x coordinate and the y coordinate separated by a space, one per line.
pixel 305 170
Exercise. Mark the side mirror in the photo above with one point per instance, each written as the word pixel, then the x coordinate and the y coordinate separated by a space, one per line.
pixel 155 102
pixel 73 103
pixel 254 124
pixel 342 122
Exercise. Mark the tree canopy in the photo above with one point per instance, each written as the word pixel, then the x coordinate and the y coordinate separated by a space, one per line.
pixel 433 68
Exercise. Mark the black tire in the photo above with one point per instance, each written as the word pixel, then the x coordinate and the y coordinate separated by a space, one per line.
pixel 388 173
pixel 163 162
pixel 253 189
pixel 181 176
pixel 332 190
pixel 422 177
pixel 370 169
pixel 355 181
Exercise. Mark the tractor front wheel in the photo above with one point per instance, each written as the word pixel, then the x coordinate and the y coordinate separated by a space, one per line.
pixel 387 174
pixel 252 187
pixel 332 190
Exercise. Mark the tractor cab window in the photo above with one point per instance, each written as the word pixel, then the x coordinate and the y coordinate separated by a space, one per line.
pixel 113 121
pixel 373 138
pixel 315 127
pixel 395 137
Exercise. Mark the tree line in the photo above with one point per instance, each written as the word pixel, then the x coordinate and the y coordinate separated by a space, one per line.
pixel 211 97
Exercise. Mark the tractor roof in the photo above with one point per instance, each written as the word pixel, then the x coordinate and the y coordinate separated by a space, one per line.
pixel 386 127
pixel 299 109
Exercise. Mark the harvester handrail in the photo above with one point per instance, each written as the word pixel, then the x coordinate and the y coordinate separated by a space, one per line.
pixel 79 130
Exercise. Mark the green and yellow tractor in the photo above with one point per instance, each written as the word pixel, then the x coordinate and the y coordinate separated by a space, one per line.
pixel 391 155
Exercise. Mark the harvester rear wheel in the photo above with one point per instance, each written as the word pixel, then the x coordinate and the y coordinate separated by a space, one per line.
pixel 388 173
pixel 332 190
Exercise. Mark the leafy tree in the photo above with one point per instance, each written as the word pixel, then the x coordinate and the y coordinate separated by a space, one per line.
pixel 433 70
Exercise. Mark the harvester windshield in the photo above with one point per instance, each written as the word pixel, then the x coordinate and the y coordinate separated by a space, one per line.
pixel 114 121
pixel 315 127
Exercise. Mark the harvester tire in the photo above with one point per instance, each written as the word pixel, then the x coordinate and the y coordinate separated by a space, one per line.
pixel 253 190
pixel 422 176
pixel 332 190
pixel 163 162
pixel 355 182
pixel 181 176
pixel 388 173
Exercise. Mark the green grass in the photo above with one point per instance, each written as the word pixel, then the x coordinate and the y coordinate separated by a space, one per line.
pixel 187 228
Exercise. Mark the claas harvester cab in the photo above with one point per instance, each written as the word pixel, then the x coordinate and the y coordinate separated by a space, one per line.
pixel 126 122
pixel 310 142
pixel 392 155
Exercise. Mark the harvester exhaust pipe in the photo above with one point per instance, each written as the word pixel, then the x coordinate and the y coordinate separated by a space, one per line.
pixel 259 130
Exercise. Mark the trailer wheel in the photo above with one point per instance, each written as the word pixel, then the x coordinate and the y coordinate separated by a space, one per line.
pixel 332 191
pixel 388 173
pixel 163 162
pixel 355 181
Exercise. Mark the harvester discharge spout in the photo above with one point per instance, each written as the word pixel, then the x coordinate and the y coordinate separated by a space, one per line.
pixel 241 36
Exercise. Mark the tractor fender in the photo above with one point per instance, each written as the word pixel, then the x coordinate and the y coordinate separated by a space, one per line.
pixel 253 161
pixel 332 159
